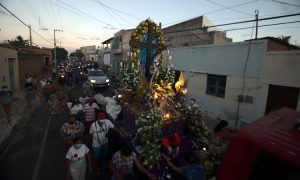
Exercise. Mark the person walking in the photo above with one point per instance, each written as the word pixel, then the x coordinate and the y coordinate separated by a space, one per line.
pixel 191 170
pixel 76 109
pixel 48 90
pixel 34 82
pixel 89 111
pixel 99 137
pixel 28 81
pixel 6 100
pixel 122 162
pixel 71 130
pixel 30 96
pixel 78 159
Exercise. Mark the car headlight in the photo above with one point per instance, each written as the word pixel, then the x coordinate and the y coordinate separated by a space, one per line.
pixel 107 80
pixel 93 81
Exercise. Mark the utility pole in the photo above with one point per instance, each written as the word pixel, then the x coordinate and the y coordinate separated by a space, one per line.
pixel 55 60
pixel 30 38
pixel 256 19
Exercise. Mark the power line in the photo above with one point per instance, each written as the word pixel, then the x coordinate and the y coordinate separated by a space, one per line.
pixel 242 28
pixel 214 11
pixel 240 22
pixel 90 16
pixel 229 8
pixel 112 10
pixel 110 14
pixel 24 23
pixel 129 15
pixel 285 3
pixel 265 25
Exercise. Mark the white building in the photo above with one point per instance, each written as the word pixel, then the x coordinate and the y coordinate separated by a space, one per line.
pixel 89 53
pixel 240 82
pixel 119 50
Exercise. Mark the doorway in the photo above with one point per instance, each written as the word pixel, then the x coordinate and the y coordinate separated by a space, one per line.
pixel 282 96
pixel 11 73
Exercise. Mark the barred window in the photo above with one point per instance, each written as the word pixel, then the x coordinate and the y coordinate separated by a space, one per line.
pixel 216 85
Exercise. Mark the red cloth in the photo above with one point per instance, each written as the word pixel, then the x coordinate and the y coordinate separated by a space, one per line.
pixel 165 142
pixel 101 115
pixel 175 140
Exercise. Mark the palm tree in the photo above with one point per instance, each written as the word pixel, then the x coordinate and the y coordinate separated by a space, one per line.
pixel 285 39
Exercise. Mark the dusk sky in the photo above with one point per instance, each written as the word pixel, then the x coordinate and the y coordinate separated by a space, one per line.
pixel 90 22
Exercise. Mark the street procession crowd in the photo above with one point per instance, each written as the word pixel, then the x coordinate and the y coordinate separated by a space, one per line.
pixel 85 133
pixel 88 130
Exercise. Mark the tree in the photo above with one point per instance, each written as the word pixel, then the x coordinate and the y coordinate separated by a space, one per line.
pixel 61 54
pixel 17 42
pixel 285 39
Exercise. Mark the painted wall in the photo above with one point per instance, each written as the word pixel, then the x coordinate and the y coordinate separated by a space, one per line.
pixel 228 60
pixel 282 68
pixel 7 55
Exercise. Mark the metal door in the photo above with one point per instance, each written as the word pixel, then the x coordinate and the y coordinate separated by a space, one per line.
pixel 11 73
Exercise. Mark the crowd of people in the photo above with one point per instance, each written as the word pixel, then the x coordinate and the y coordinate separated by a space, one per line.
pixel 86 132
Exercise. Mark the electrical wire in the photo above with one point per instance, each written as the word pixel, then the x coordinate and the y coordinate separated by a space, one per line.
pixel 285 3
pixel 86 14
pixel 111 14
pixel 229 8
pixel 226 24
pixel 113 11
pixel 244 78
pixel 214 11
pixel 25 24
pixel 129 15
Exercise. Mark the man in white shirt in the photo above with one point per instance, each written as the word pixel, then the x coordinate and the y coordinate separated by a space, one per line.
pixel 99 136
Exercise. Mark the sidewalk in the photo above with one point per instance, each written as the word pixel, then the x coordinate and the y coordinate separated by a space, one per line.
pixel 19 114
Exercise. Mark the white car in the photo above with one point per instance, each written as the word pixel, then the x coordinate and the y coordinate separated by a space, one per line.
pixel 98 78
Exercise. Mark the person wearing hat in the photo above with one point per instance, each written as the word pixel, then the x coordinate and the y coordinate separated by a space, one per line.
pixel 6 100
pixel 99 136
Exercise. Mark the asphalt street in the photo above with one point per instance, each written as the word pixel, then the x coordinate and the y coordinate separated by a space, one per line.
pixel 36 149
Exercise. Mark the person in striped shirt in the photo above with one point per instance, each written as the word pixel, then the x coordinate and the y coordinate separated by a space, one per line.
pixel 89 111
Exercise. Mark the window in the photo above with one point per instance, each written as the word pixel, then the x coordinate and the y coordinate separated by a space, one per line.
pixel 96 73
pixel 216 85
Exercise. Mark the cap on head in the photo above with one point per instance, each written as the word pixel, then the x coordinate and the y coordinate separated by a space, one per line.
pixel 101 115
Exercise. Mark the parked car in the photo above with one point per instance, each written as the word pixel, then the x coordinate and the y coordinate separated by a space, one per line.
pixel 98 78
pixel 269 148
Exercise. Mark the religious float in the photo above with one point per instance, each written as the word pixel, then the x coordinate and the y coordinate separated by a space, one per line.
pixel 154 107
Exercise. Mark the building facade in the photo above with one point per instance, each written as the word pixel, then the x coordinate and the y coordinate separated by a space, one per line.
pixel 89 53
pixel 119 51
pixel 104 54
pixel 193 32
pixel 9 68
pixel 34 62
pixel 240 82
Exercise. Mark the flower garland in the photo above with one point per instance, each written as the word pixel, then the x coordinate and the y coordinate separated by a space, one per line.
pixel 149 124
pixel 137 34
pixel 131 79
pixel 166 75
pixel 211 150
